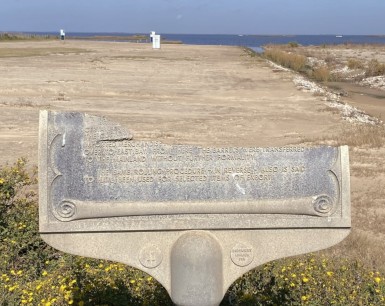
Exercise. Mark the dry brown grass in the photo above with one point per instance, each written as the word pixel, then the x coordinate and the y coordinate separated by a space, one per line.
pixel 354 63
pixel 321 74
pixel 363 135
pixel 362 246
pixel 375 68
pixel 289 60
pixel 354 135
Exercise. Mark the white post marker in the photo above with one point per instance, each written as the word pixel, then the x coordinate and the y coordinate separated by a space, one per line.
pixel 156 42
pixel 152 35
pixel 62 34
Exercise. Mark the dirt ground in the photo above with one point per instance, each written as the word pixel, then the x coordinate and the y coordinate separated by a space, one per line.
pixel 204 95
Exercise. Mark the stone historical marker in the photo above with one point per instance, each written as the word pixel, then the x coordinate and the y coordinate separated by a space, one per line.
pixel 195 218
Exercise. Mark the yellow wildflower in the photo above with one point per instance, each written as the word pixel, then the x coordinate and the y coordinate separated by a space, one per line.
pixel 377 280
pixel 305 279
pixel 132 281
pixel 1 180
pixel 329 273
pixel 304 298
pixel 10 289
pixel 44 273
pixel 293 275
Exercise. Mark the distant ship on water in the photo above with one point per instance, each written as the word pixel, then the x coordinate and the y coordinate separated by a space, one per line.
pixel 339 36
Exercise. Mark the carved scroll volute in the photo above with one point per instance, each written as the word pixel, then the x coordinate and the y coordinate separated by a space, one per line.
pixel 62 210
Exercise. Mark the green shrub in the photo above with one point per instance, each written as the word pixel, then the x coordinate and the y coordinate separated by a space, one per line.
pixel 293 44
pixel 33 273
pixel 309 280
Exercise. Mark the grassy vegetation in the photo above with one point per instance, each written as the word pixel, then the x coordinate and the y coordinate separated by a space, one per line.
pixel 289 60
pixel 33 273
pixel 363 135
pixel 321 74
pixel 297 62
pixel 310 280
pixel 19 37
pixel 299 58
pixel 354 63
pixel 374 68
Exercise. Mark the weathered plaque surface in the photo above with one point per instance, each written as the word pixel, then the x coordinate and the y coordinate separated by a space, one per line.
pixel 154 206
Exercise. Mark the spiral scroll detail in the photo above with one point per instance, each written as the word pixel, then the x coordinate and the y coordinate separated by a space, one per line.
pixel 323 205
pixel 66 209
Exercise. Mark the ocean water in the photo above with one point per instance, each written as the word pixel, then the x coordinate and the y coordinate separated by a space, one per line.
pixel 252 41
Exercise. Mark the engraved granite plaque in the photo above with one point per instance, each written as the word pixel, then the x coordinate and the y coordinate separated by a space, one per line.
pixel 96 181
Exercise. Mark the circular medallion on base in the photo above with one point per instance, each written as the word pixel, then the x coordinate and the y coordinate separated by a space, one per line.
pixel 150 256
pixel 242 254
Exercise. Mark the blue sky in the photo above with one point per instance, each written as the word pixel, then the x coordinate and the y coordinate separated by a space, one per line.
pixel 196 16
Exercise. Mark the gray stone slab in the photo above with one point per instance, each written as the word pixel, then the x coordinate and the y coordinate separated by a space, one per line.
pixel 236 207
pixel 95 177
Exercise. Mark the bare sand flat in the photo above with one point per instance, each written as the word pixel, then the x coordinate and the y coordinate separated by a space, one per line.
pixel 204 95
pixel 208 95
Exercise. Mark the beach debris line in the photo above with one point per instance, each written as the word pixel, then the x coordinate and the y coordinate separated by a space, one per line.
pixel 348 112
pixel 374 82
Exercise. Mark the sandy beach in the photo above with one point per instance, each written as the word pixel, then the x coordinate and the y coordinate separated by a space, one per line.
pixel 208 95
pixel 182 94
